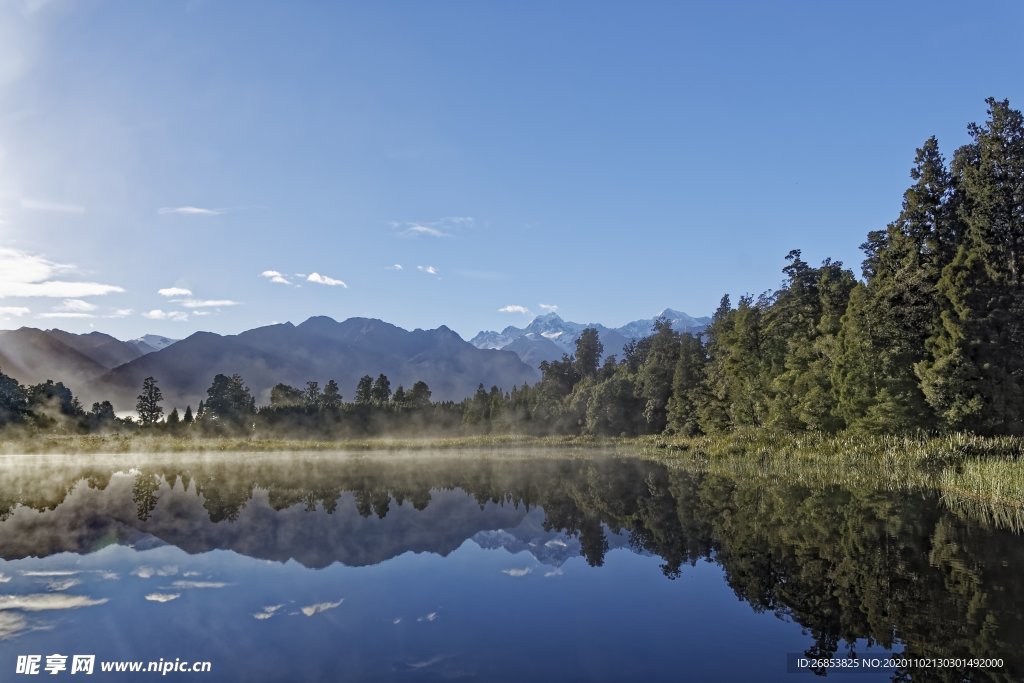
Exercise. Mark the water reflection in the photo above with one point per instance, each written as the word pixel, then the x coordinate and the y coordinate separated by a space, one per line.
pixel 861 567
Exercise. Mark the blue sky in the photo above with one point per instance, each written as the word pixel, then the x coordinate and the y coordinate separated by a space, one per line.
pixel 610 159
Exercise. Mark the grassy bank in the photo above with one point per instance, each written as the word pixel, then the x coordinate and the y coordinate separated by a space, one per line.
pixel 981 476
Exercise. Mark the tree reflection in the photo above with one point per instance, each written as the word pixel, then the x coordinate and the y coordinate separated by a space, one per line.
pixel 900 569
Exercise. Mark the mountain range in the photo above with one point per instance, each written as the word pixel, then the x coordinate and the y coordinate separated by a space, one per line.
pixel 97 367
pixel 91 517
pixel 548 337
pixel 318 349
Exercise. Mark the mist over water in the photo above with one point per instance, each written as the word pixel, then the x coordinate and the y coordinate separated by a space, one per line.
pixel 490 566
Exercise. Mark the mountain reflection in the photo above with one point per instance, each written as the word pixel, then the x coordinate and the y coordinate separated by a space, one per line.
pixel 896 568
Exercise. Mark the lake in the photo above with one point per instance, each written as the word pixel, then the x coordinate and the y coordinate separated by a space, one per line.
pixel 491 566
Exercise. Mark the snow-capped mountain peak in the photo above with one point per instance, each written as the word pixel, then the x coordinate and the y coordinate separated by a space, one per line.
pixel 548 336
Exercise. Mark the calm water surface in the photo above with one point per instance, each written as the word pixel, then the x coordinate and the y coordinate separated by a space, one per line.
pixel 332 567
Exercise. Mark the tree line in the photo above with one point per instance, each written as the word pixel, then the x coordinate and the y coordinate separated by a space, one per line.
pixel 930 338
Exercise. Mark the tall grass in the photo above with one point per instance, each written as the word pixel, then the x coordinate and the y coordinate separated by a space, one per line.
pixel 980 477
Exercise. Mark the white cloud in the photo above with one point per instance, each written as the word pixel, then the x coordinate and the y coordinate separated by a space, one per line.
pixel 417 230
pixel 174 291
pixel 162 597
pixel 550 308
pixel 514 308
pixel 205 303
pixel 189 211
pixel 321 607
pixel 396 266
pixel 157 314
pixel 518 572
pixel 121 313
pixel 75 306
pixel 14 311
pixel 57 572
pixel 428 617
pixel 38 602
pixel 324 280
pixel 27 275
pixel 275 277
pixel 429 270
pixel 444 227
pixel 65 314
pixel 557 571
pixel 52 207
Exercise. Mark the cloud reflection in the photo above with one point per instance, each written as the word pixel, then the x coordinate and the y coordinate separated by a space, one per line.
pixel 198 584
pixel 517 572
pixel 163 597
pixel 321 607
pixel 38 602
pixel 57 585
pixel 145 572
pixel 267 612
pixel 12 624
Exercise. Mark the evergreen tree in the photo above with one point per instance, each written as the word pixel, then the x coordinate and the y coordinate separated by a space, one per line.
pixel 655 374
pixel 364 390
pixel 419 395
pixel 188 419
pixel 312 397
pixel 229 402
pixel 713 409
pixel 332 396
pixel 805 321
pixel 588 353
pixel 974 375
pixel 101 416
pixel 687 380
pixel 380 393
pixel 13 401
pixel 884 335
pixel 286 396
pixel 148 406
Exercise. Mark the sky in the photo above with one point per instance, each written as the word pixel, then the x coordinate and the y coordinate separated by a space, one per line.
pixel 184 165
